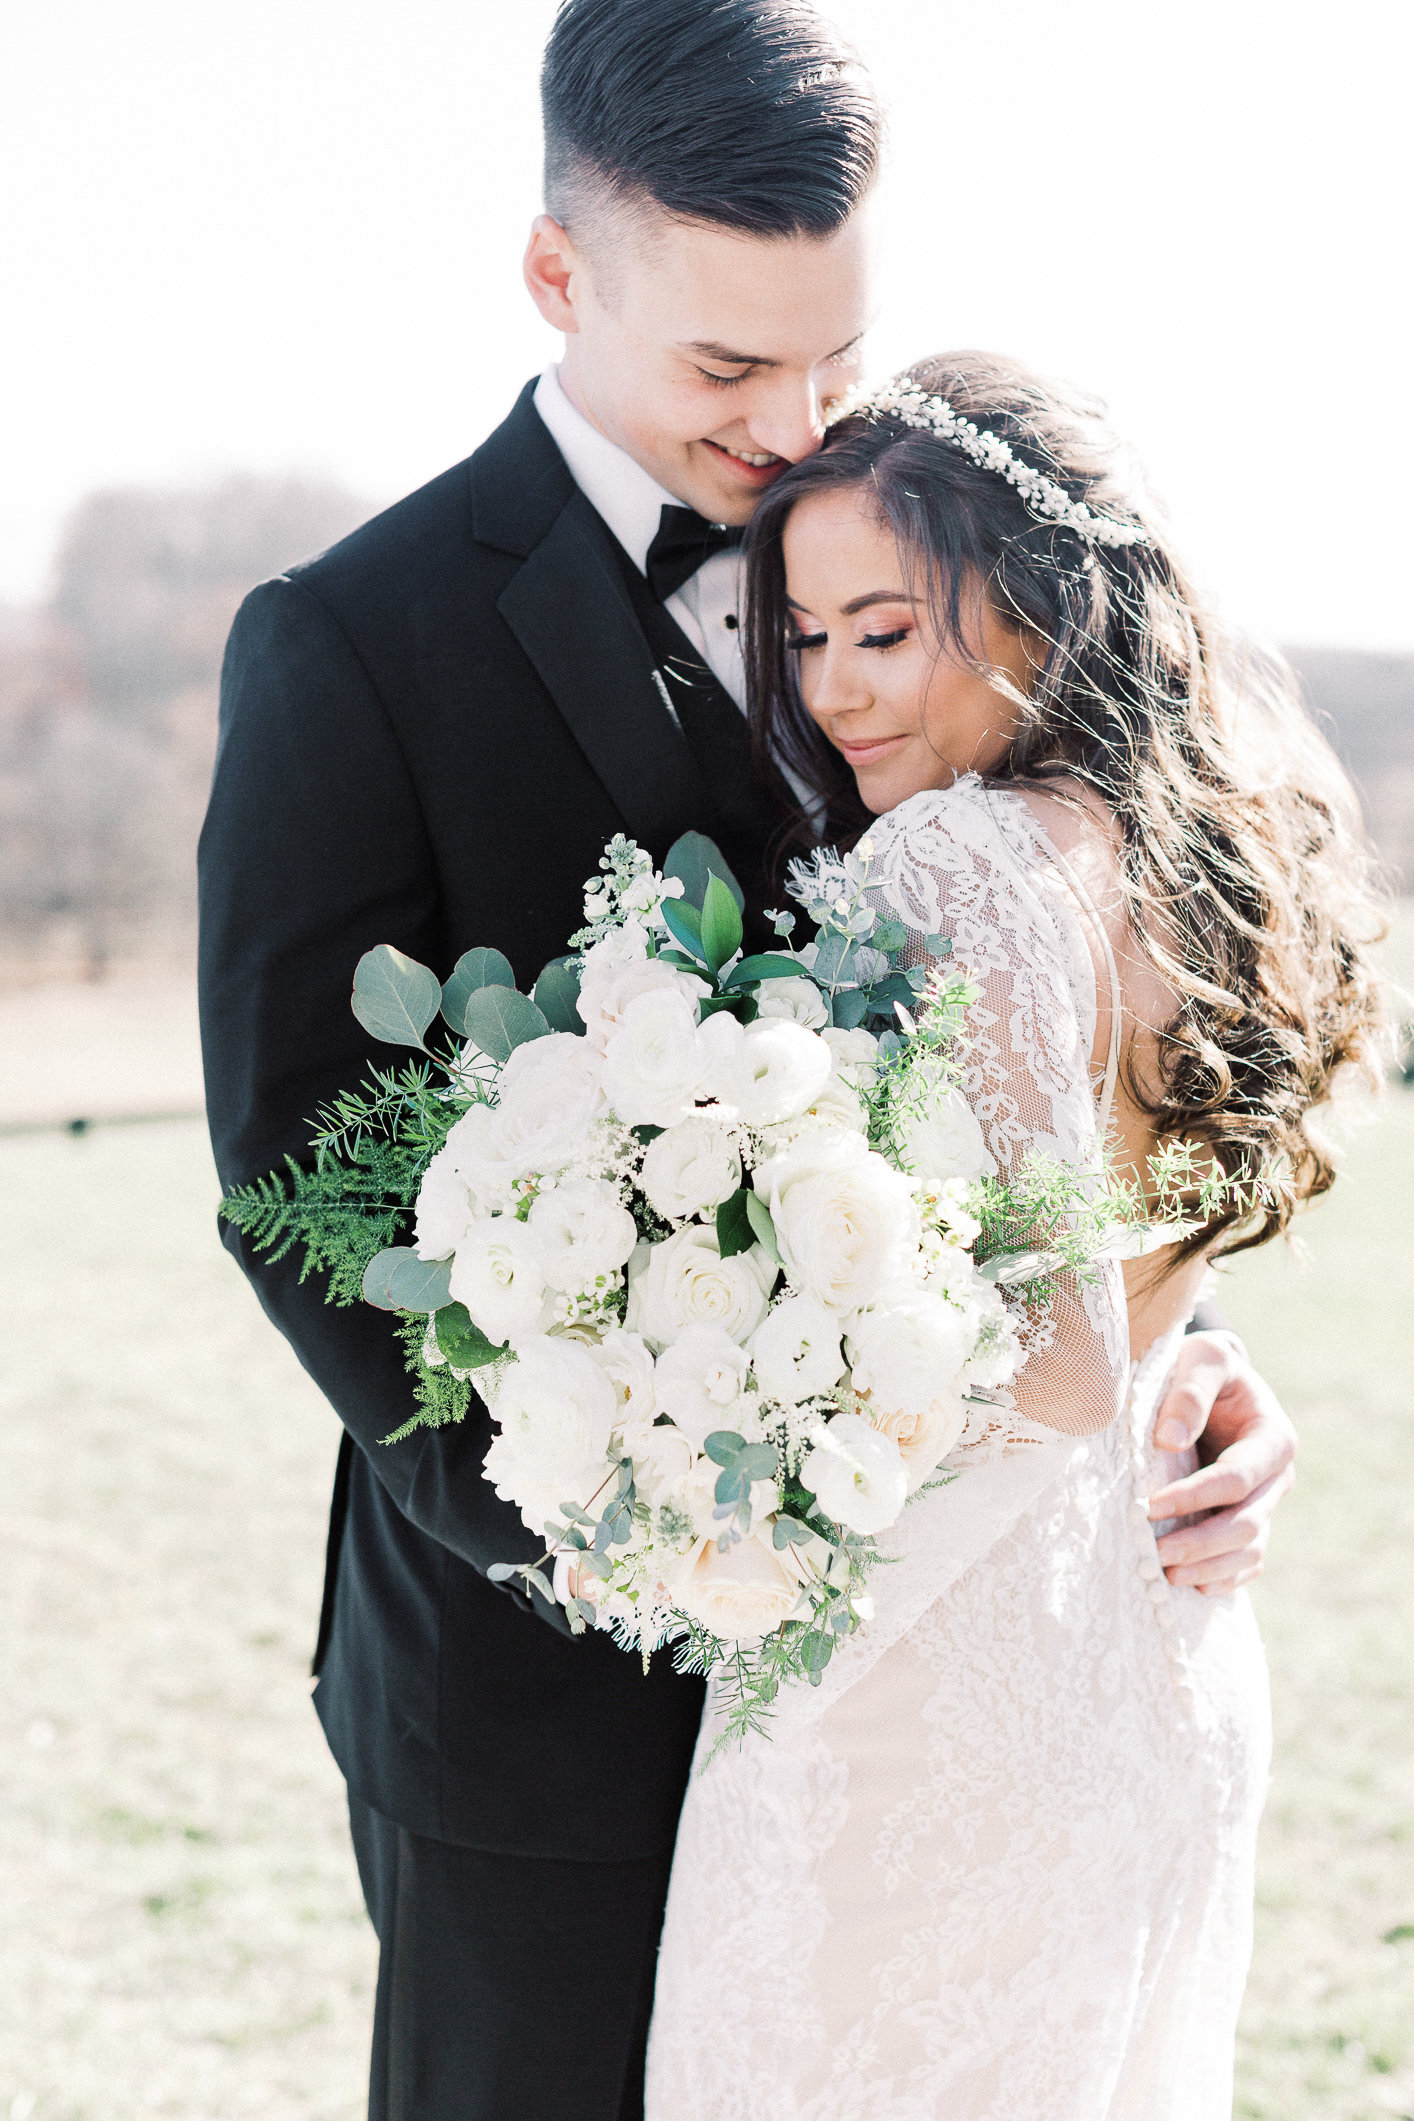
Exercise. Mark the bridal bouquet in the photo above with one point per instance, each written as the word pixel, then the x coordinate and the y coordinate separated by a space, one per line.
pixel 716 1237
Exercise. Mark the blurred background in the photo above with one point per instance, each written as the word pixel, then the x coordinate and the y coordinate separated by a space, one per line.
pixel 263 270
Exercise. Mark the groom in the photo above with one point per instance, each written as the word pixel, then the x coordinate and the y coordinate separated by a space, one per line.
pixel 427 736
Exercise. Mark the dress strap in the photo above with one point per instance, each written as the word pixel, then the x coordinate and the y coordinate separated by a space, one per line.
pixel 1091 912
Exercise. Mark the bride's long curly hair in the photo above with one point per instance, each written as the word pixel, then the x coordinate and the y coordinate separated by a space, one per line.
pixel 1248 878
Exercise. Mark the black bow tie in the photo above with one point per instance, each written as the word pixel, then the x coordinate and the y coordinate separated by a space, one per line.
pixel 683 540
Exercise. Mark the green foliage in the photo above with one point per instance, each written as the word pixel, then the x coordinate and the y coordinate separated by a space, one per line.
pixel 694 860
pixel 394 997
pixel 440 1396
pixel 721 925
pixel 343 1213
pixel 473 969
pixel 734 1231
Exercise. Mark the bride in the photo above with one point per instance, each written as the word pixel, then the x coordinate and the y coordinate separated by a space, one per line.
pixel 998 1866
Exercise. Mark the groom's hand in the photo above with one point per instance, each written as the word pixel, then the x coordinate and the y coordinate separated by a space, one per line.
pixel 1247 1446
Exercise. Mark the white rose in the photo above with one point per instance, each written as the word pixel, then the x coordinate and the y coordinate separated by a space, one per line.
pixel 856 1474
pixel 627 1362
pixel 846 1221
pixel 498 1275
pixel 445 1208
pixel 856 1055
pixel 685 1282
pixel 583 1230
pixel 556 1412
pixel 796 1352
pixel 777 1070
pixel 654 1061
pixel 607 987
pixel 740 1595
pixel 549 1097
pixel 799 1001
pixel 702 1382
pixel 691 1167
pixel 925 1439
pixel 838 1108
pixel 908 1350
pixel 944 1141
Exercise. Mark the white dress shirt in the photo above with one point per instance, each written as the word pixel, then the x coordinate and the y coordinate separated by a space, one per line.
pixel 631 502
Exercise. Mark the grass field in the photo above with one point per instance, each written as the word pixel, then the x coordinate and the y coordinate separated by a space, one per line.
pixel 182 1933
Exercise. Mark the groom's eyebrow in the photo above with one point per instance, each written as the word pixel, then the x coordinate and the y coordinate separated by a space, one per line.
pixel 713 350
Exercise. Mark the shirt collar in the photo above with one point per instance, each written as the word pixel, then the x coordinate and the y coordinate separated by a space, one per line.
pixel 629 499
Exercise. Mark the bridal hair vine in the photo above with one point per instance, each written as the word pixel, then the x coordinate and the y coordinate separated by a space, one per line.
pixel 913 407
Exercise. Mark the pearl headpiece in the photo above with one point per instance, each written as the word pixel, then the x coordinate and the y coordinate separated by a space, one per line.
pixel 913 407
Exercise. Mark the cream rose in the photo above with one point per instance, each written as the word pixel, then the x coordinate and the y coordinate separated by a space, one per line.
pixel 797 1001
pixel 856 1474
pixel 908 1350
pixel 685 1282
pixel 690 1168
pixel 925 1439
pixel 702 1382
pixel 846 1221
pixel 740 1595
pixel 582 1230
pixel 796 1351
pixel 556 1411
pixel 497 1273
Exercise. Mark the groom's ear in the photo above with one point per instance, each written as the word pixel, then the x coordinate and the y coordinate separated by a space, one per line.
pixel 554 273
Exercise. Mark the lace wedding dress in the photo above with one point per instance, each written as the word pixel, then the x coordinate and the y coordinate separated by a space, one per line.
pixel 998 1866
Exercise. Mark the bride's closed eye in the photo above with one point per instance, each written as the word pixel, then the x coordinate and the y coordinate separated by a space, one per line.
pixel 796 642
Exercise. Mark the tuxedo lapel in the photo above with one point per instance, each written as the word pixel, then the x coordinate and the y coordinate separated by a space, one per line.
pixel 568 609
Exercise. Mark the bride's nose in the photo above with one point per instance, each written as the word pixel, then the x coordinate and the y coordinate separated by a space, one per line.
pixel 834 686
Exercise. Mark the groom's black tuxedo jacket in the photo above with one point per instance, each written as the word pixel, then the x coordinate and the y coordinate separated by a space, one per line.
pixel 427 736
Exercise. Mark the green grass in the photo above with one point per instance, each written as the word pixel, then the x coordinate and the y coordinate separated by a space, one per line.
pixel 1328 2029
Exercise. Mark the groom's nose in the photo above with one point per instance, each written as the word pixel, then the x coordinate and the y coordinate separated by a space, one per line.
pixel 788 417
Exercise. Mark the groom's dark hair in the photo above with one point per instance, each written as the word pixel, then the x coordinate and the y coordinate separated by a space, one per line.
pixel 750 114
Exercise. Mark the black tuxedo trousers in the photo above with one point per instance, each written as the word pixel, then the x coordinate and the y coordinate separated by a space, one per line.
pixel 427 736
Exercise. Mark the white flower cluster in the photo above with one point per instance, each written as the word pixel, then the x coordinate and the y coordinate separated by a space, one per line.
pixel 931 415
pixel 738 1336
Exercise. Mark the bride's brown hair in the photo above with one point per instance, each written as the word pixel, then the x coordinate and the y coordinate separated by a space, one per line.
pixel 1248 878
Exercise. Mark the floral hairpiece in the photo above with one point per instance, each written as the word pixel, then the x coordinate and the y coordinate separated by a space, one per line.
pixel 915 408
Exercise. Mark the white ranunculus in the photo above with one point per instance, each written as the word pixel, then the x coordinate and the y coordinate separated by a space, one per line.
pixel 944 1140
pixel 778 1069
pixel 550 1096
pixel 607 986
pixel 908 1350
pixel 556 1411
pixel 837 1108
pixel 662 1459
pixel 583 1230
pixel 690 1168
pixel 654 1061
pixel 627 1362
pixel 740 1595
pixel 856 1055
pixel 846 1221
pixel 445 1208
pixel 702 1382
pixel 796 1351
pixel 925 1439
pixel 497 1274
pixel 856 1474
pixel 799 1001
pixel 685 1282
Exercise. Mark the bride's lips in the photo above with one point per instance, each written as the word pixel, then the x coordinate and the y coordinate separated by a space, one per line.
pixel 754 475
pixel 864 754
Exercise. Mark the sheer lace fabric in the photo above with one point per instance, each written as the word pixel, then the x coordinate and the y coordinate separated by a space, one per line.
pixel 998 1866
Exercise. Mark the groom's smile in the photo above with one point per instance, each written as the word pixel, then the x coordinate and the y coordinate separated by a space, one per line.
pixel 709 354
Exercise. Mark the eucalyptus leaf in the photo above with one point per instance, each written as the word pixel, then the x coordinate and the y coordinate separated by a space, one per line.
pixel 721 925
pixel 556 993
pixel 398 1280
pixel 734 1227
pixel 722 1446
pixel 731 1486
pixel 759 1216
pixel 502 1571
pixel 693 859
pixel 499 1019
pixel 850 1007
pixel 542 1584
pixel 473 969
pixel 585 1611
pixel 757 1462
pixel 889 936
pixel 394 997
pixel 938 945
pixel 833 960
pixel 463 1343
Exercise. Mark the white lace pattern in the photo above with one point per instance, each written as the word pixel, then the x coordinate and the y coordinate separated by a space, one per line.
pixel 998 1867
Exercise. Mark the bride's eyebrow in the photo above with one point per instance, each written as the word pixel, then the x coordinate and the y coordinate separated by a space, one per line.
pixel 876 596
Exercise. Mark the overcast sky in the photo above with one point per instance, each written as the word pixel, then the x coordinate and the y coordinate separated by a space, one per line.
pixel 286 233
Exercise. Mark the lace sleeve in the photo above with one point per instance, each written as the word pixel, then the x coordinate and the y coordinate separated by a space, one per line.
pixel 968 863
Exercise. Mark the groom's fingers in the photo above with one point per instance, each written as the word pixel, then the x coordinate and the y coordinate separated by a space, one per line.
pixel 1208 1365
pixel 1227 1546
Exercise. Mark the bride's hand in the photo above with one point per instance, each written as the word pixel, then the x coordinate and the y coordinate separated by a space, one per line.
pixel 1247 1446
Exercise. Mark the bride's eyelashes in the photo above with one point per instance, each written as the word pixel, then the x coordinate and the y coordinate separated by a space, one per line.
pixel 796 643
